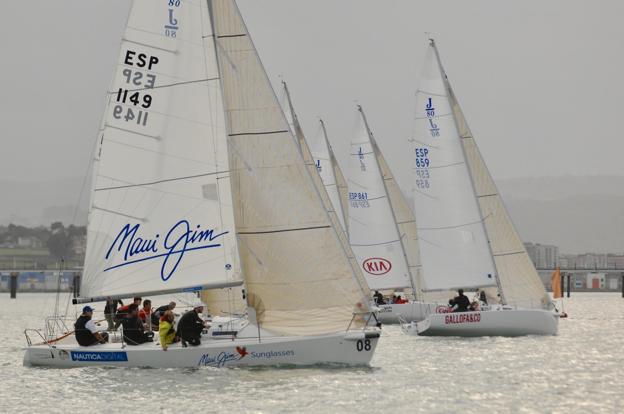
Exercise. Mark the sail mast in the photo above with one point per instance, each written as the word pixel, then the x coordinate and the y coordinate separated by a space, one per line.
pixel 375 151
pixel 339 180
pixel 474 192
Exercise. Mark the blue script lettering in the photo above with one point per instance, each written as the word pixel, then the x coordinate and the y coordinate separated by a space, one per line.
pixel 179 240
pixel 218 360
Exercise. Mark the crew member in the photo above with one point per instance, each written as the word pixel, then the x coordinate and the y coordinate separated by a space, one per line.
pixel 125 310
pixel 166 330
pixel 110 310
pixel 399 300
pixel 159 312
pixel 86 332
pixel 461 302
pixel 378 298
pixel 133 330
pixel 191 326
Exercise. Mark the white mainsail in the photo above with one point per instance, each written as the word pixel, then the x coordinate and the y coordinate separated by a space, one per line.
pixel 299 275
pixel 520 283
pixel 454 247
pixel 373 232
pixel 161 215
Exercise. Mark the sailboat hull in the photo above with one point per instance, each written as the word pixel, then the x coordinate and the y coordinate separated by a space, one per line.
pixel 505 322
pixel 346 348
pixel 404 312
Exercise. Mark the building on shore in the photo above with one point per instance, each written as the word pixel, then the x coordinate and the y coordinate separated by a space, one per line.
pixel 543 255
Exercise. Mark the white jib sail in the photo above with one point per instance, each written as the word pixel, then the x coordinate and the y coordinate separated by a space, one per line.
pixel 320 149
pixel 372 230
pixel 453 243
pixel 520 283
pixel 299 275
pixel 161 215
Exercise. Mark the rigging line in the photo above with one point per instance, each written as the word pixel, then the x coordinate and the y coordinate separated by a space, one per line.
pixel 431 93
pixel 424 194
pixel 159 34
pixel 452 227
pixel 157 138
pixel 164 154
pixel 415 141
pixel 487 195
pixel 375 244
pixel 169 85
pixel 360 143
pixel 258 133
pixel 434 117
pixel 282 231
pixel 144 220
pixel 507 254
pixel 175 52
pixel 439 166
pixel 232 35
pixel 160 181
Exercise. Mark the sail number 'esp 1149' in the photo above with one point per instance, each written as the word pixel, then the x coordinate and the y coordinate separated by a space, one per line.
pixel 132 100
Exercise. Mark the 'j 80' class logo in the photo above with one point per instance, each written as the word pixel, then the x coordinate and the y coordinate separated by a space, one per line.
pixel 377 266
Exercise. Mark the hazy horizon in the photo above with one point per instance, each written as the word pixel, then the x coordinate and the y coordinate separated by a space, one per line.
pixel 539 83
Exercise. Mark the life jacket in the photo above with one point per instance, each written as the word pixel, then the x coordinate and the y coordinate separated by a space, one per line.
pixel 83 336
pixel 166 332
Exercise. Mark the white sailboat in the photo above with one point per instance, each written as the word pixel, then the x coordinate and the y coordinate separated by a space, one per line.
pixel 382 228
pixel 467 239
pixel 199 184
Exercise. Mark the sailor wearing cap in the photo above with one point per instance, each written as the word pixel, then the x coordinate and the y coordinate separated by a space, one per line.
pixel 86 331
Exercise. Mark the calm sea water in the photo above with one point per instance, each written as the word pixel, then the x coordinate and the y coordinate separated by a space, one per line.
pixel 580 370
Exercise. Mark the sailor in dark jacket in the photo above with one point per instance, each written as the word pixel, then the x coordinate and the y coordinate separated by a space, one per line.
pixel 133 330
pixel 86 331
pixel 191 326
pixel 461 301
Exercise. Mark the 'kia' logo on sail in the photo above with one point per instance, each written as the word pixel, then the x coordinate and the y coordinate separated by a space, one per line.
pixel 377 266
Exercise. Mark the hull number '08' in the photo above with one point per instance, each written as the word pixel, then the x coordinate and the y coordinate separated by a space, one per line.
pixel 364 345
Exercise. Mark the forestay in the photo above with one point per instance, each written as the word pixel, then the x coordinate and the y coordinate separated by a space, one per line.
pixel 161 215
pixel 453 244
pixel 520 283
pixel 299 277
pixel 372 230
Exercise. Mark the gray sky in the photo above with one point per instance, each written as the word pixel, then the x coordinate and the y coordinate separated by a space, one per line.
pixel 540 81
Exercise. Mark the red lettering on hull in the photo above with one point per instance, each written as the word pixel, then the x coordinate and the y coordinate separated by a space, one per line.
pixel 453 318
